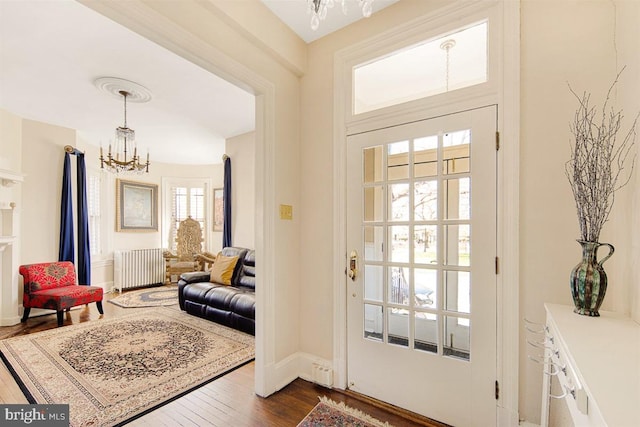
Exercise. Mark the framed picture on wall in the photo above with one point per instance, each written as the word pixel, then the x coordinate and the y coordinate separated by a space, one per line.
pixel 136 206
pixel 218 209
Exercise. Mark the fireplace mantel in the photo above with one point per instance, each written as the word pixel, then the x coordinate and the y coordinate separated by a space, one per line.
pixel 6 241
pixel 9 246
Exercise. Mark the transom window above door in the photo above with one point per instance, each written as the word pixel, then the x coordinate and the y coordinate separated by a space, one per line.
pixel 443 64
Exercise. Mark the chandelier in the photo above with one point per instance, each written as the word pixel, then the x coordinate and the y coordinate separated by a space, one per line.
pixel 318 9
pixel 120 160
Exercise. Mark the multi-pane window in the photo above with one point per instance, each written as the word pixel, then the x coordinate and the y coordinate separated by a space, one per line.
pixel 94 207
pixel 417 231
pixel 186 201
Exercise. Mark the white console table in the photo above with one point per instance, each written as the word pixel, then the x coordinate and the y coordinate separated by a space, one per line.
pixel 597 363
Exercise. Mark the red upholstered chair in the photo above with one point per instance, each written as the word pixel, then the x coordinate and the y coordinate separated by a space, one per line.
pixel 52 285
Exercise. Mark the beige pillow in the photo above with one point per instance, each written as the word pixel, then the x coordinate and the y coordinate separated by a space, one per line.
pixel 222 270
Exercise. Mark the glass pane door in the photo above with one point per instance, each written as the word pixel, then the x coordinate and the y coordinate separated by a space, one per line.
pixel 421 214
pixel 416 203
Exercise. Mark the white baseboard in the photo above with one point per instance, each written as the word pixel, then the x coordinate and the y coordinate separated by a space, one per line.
pixel 107 286
pixel 507 418
pixel 279 375
pixel 297 365
pixel 10 321
pixel 316 369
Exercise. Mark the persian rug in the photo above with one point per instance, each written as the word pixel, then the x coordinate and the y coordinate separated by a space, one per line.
pixel 114 370
pixel 151 297
pixel 337 414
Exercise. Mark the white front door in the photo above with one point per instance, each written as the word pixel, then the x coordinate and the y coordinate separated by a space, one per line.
pixel 421 226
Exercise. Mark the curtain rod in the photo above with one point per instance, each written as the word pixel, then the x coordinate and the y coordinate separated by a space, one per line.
pixel 72 150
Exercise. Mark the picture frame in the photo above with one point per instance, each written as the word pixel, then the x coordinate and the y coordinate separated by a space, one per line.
pixel 136 206
pixel 218 209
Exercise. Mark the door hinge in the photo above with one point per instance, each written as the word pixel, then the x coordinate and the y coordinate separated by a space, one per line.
pixel 497 140
pixel 497 265
pixel 497 390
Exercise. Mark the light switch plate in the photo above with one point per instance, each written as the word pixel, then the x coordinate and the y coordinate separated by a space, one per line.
pixel 286 212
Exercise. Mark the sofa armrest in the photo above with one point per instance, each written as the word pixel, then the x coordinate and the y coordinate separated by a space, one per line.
pixel 195 277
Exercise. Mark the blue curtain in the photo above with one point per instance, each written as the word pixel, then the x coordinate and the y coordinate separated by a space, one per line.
pixel 226 201
pixel 67 240
pixel 84 252
pixel 67 249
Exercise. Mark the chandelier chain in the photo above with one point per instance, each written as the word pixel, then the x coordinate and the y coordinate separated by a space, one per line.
pixel 124 93
pixel 447 45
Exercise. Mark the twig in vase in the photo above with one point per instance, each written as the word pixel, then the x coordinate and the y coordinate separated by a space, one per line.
pixel 598 161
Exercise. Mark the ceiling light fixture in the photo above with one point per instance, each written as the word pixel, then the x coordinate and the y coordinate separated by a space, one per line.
pixel 120 159
pixel 447 45
pixel 318 9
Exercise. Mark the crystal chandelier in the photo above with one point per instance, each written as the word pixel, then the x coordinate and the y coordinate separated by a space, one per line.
pixel 318 9
pixel 119 160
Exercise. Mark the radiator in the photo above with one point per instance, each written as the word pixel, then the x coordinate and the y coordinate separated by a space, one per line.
pixel 135 268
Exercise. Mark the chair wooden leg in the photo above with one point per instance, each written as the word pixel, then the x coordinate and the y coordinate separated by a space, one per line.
pixel 25 314
pixel 60 315
pixel 99 305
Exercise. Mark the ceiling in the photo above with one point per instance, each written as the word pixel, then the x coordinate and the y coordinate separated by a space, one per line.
pixel 52 52
pixel 295 14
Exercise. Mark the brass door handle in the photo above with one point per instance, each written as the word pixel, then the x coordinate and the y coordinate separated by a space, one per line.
pixel 353 265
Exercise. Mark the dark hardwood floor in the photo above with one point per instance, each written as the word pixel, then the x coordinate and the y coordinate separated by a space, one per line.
pixel 228 401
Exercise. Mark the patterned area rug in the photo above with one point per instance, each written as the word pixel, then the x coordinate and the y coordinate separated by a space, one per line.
pixel 337 414
pixel 152 297
pixel 113 370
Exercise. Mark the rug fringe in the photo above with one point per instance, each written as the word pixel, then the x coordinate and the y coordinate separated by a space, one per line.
pixel 340 406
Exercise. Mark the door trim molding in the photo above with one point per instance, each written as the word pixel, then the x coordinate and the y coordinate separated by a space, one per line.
pixel 149 23
pixel 508 98
pixel 509 219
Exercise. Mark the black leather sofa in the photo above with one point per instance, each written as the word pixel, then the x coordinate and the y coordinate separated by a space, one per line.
pixel 232 306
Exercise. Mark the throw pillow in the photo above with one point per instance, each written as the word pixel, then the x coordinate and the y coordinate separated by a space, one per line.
pixel 222 270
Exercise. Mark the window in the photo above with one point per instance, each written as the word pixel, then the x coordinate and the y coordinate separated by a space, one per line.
pixel 94 207
pixel 449 62
pixel 186 201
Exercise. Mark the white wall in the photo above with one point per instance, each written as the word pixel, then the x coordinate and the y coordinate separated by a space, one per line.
pixel 44 183
pixel 10 141
pixel 42 162
pixel 40 208
pixel 317 208
pixel 202 20
pixel 242 150
pixel 10 162
pixel 628 49
pixel 561 41
pixel 125 240
pixel 564 41
pixel 211 36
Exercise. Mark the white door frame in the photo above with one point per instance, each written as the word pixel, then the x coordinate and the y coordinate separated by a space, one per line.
pixel 507 96
pixel 147 22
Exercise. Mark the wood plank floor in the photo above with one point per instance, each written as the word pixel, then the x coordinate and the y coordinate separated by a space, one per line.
pixel 229 401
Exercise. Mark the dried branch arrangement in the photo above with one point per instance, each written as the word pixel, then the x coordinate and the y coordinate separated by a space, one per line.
pixel 598 162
